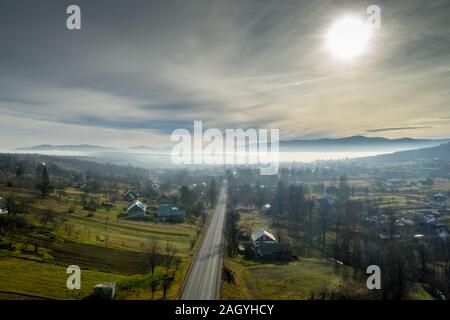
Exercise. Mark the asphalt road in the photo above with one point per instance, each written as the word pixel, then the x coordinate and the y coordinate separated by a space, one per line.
pixel 203 280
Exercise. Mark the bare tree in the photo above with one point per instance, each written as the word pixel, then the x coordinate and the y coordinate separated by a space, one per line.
pixel 61 193
pixel 153 286
pixel 423 256
pixel 152 254
pixel 166 281
pixel 169 255
pixel 46 218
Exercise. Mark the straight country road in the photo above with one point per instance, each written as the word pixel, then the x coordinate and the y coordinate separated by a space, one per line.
pixel 204 277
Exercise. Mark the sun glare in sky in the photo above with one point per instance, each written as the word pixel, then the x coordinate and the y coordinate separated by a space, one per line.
pixel 348 38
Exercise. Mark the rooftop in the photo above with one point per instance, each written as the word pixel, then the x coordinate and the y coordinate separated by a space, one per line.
pixel 141 205
pixel 259 233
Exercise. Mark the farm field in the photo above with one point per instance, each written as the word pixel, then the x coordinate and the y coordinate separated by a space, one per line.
pixel 107 249
pixel 47 280
pixel 297 280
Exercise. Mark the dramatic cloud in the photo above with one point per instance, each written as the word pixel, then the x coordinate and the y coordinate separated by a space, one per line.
pixel 137 70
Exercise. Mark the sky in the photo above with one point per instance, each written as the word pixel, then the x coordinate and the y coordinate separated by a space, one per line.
pixel 137 70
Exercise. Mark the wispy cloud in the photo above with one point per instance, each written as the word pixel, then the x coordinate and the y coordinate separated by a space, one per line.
pixel 397 129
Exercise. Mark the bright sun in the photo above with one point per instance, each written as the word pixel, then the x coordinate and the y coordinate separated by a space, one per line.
pixel 348 38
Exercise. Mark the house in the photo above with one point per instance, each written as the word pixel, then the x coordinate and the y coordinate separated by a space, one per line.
pixel 130 196
pixel 247 208
pixel 394 183
pixel 136 207
pixel 429 219
pixel 167 211
pixel 266 207
pixel 327 201
pixel 274 251
pixel 3 206
pixel 443 235
pixel 83 187
pixel 441 197
pixel 105 290
pixel 262 236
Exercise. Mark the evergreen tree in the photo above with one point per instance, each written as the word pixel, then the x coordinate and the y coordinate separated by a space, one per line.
pixel 43 184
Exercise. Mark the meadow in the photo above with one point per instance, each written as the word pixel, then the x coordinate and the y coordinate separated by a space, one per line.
pixel 105 247
pixel 296 280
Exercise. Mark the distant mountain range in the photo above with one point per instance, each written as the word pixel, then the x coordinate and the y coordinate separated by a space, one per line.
pixel 77 148
pixel 354 143
pixel 359 143
pixel 87 148
pixel 441 152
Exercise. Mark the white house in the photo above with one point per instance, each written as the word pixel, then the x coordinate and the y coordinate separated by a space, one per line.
pixel 136 207
pixel 263 236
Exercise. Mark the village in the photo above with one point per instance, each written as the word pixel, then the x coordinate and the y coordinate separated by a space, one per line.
pixel 313 229
pixel 126 232
pixel 330 225
pixel 426 218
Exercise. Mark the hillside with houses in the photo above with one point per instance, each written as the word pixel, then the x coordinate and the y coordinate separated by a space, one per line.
pixel 311 232
pixel 132 232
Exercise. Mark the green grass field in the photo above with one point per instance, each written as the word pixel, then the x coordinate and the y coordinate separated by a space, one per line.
pixel 47 280
pixel 112 251
pixel 297 280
